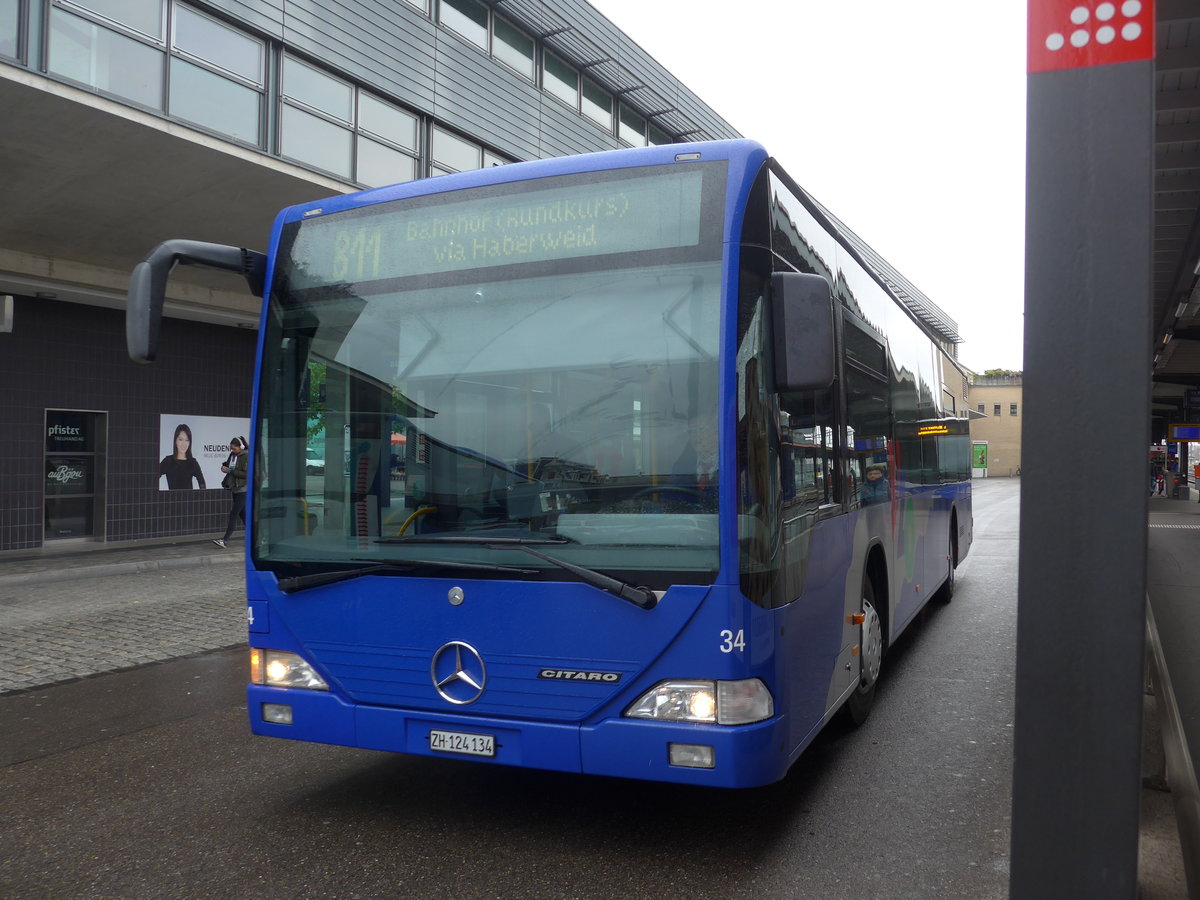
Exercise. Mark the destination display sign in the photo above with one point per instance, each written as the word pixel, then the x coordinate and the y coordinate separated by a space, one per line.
pixel 399 239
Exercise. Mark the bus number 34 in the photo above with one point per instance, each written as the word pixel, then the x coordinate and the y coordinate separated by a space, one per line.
pixel 731 640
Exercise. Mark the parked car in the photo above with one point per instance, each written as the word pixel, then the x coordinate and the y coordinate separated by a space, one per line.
pixel 314 463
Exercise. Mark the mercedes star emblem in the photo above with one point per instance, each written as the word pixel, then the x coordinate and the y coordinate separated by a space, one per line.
pixel 458 673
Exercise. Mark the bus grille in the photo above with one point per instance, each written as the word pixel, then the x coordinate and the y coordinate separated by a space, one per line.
pixel 400 676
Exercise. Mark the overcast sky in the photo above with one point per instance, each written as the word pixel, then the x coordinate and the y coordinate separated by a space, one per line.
pixel 906 119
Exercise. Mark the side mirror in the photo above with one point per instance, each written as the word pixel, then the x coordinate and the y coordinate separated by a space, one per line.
pixel 804 327
pixel 148 286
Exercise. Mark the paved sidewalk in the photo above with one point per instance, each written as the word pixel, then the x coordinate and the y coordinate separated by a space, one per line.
pixel 96 608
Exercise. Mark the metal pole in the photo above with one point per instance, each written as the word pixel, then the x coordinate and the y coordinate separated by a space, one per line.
pixel 1081 583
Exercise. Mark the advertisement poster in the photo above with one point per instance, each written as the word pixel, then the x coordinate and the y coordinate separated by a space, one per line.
pixel 979 456
pixel 192 449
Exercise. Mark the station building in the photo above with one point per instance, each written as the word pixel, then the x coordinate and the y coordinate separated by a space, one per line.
pixel 996 423
pixel 128 122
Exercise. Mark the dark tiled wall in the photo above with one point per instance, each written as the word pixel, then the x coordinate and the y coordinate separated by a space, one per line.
pixel 70 356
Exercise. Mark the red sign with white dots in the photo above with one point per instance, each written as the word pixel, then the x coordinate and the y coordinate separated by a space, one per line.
pixel 1072 34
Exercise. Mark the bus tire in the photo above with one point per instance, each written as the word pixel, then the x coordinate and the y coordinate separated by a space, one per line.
pixel 858 707
pixel 946 592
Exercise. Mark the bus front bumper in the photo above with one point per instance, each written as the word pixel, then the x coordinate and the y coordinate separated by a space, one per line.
pixel 713 755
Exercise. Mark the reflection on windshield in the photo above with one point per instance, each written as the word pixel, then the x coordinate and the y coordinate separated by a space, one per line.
pixel 579 408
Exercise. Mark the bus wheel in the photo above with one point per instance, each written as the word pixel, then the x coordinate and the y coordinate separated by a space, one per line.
pixel 946 591
pixel 858 707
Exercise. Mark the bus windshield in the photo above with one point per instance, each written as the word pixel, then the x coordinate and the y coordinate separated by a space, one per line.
pixel 560 397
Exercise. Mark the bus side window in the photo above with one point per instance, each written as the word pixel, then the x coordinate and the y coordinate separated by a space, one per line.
pixel 868 430
pixel 806 454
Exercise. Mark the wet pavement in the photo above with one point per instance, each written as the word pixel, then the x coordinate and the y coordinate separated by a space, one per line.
pixel 70 613
pixel 92 609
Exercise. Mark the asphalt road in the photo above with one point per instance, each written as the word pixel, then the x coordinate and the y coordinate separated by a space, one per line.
pixel 147 783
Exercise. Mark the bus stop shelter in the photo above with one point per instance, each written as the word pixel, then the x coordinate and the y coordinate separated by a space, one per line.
pixel 1112 352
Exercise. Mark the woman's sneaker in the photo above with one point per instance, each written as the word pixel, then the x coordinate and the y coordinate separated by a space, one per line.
pixel 220 542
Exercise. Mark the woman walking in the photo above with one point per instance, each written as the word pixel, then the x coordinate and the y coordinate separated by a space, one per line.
pixel 235 480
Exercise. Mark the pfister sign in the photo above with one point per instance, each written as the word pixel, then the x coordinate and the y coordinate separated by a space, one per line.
pixel 191 450
pixel 70 432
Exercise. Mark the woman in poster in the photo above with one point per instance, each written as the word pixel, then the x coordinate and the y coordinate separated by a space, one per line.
pixel 181 467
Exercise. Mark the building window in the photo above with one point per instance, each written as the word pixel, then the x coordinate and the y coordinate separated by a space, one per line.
pixel 145 17
pixel 195 67
pixel 995 409
pixel 1012 409
pixel 467 19
pixel 104 58
pixel 561 80
pixel 451 153
pixel 598 105
pixel 216 76
pixel 216 72
pixel 387 143
pixel 218 45
pixel 512 47
pixel 310 139
pixel 317 90
pixel 632 127
pixel 981 407
pixel 205 98
pixel 315 117
pixel 10 23
pixel 332 125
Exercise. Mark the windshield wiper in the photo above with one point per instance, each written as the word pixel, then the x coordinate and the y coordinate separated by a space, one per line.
pixel 638 596
pixel 299 582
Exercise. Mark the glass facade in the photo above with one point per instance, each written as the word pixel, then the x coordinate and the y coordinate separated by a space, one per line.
pixel 174 59
pixel 333 125
pixel 102 58
pixel 10 20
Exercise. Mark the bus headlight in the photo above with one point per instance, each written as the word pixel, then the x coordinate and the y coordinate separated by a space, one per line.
pixel 278 668
pixel 711 702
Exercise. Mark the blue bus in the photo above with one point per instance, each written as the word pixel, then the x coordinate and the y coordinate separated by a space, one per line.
pixel 634 464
